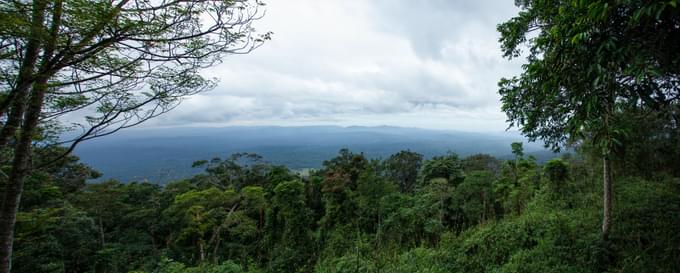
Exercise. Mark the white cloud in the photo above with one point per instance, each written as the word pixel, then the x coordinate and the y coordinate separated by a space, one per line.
pixel 433 64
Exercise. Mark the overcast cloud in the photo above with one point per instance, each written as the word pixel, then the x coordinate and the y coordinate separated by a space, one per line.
pixel 430 64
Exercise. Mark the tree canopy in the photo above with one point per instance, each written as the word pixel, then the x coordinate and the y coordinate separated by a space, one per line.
pixel 590 65
pixel 528 217
pixel 113 64
pixel 587 61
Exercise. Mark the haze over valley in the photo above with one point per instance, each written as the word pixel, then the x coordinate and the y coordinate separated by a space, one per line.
pixel 162 155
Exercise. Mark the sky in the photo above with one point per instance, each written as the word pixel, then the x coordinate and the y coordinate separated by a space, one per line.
pixel 429 64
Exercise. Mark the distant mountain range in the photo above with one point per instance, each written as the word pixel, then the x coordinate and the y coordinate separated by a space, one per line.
pixel 161 155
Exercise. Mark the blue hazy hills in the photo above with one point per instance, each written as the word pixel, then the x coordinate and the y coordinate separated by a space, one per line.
pixel 161 155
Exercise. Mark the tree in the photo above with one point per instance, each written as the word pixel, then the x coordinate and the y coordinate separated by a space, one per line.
pixel 288 229
pixel 474 198
pixel 481 162
pixel 448 167
pixel 557 172
pixel 117 63
pixel 200 217
pixel 237 171
pixel 517 182
pixel 368 196
pixel 126 218
pixel 60 239
pixel 589 62
pixel 347 164
pixel 402 168
pixel 340 180
pixel 433 204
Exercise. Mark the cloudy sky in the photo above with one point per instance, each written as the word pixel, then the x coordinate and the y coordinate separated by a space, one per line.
pixel 429 64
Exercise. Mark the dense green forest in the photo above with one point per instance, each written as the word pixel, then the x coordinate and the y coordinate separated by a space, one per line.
pixel 401 214
pixel 600 78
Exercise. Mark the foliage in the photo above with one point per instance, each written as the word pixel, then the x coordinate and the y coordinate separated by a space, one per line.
pixel 588 62
pixel 447 167
pixel 592 67
pixel 402 168
pixel 108 65
pixel 525 217
pixel 601 76
pixel 288 229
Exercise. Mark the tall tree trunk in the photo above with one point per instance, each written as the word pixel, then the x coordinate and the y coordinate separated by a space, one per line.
pixel 22 149
pixel 216 249
pixel 20 169
pixel 201 250
pixel 17 96
pixel 607 198
pixel 101 233
pixel 10 205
